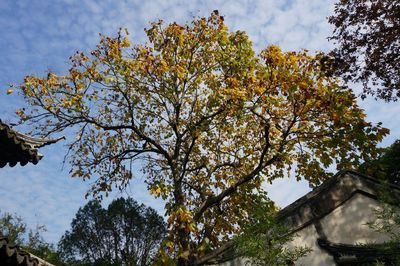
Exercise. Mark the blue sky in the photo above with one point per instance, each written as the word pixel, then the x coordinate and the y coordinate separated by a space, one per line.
pixel 37 36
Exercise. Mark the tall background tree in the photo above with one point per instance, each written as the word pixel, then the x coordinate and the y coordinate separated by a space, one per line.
pixel 368 45
pixel 206 118
pixel 386 166
pixel 125 233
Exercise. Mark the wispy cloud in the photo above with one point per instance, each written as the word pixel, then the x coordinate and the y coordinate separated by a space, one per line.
pixel 40 35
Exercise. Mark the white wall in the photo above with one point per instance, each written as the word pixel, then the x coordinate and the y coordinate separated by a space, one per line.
pixel 308 237
pixel 346 224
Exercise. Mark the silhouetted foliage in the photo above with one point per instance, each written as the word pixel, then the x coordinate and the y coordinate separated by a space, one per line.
pixel 367 33
pixel 387 166
pixel 125 233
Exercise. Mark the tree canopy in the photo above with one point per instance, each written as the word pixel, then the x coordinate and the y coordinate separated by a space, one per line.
pixel 387 216
pixel 367 34
pixel 386 166
pixel 205 117
pixel 125 233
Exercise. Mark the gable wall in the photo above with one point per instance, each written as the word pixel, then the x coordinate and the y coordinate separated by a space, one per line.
pixel 346 224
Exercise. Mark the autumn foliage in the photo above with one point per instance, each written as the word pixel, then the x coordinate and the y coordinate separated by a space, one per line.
pixel 206 118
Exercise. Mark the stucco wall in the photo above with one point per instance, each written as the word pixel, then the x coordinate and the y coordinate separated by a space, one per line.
pixel 234 262
pixel 346 224
pixel 308 237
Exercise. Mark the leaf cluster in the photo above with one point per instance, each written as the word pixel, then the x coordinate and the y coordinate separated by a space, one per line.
pixel 264 239
pixel 367 34
pixel 386 166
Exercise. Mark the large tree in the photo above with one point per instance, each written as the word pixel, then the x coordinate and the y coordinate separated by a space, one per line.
pixel 125 233
pixel 205 118
pixel 367 34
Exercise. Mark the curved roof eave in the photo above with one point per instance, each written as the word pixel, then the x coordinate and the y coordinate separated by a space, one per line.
pixel 16 147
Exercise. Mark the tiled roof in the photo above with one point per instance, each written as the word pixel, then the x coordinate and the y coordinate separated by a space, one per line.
pixel 330 195
pixel 12 255
pixel 321 201
pixel 347 254
pixel 16 147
